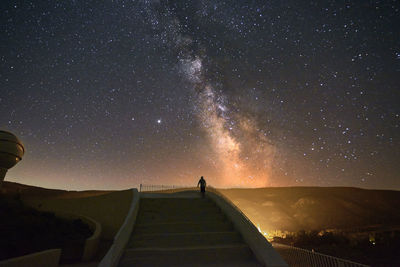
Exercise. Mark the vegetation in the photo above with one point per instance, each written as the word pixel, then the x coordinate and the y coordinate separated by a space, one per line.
pixel 24 230
pixel 372 248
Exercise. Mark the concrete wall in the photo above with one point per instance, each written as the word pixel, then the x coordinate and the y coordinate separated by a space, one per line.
pixel 48 258
pixel 261 248
pixel 91 243
pixel 114 254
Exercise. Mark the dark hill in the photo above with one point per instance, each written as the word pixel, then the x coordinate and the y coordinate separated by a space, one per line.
pixel 317 208
pixel 12 188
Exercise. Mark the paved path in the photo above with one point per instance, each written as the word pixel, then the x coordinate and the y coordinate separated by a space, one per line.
pixel 182 229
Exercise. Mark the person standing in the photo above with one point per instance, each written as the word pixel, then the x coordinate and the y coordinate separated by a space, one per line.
pixel 202 183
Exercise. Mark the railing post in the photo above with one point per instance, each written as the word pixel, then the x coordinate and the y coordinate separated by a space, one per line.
pixel 140 189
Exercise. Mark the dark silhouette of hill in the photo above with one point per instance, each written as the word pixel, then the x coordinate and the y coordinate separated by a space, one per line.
pixel 318 208
pixel 29 190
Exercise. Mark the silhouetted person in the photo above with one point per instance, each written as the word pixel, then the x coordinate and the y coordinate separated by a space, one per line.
pixel 202 184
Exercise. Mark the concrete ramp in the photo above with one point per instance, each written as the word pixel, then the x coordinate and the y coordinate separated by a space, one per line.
pixel 184 230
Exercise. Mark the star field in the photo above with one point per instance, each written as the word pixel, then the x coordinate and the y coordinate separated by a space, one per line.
pixel 246 93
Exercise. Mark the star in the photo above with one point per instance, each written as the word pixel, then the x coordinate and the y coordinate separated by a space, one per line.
pixel 202 87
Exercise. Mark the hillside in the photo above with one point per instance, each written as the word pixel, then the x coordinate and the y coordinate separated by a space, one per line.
pixel 29 190
pixel 317 208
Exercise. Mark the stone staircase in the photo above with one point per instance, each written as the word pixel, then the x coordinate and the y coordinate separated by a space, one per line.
pixel 184 232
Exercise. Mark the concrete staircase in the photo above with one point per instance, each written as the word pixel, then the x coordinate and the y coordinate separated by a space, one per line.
pixel 184 232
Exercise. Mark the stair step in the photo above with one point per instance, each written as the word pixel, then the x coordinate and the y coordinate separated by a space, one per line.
pixel 176 200
pixel 185 232
pixel 159 218
pixel 183 227
pixel 186 255
pixel 151 262
pixel 167 211
pixel 180 210
pixel 203 212
pixel 184 239
pixel 171 203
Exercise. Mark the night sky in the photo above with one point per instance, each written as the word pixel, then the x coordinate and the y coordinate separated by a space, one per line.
pixel 111 94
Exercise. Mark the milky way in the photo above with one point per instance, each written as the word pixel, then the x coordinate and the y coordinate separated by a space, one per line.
pixel 243 159
pixel 245 93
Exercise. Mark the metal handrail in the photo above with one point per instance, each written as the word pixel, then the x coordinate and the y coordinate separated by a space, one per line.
pixel 299 255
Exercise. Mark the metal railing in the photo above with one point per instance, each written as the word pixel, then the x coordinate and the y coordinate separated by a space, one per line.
pixel 298 257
